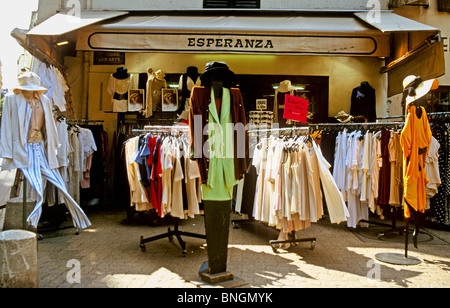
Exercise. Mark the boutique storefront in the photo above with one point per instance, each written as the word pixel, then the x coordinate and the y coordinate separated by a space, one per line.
pixel 322 57
pixel 133 72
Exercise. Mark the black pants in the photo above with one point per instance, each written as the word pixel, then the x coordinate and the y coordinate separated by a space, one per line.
pixel 217 224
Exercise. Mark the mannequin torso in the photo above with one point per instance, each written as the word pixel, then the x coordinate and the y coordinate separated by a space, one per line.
pixel 37 118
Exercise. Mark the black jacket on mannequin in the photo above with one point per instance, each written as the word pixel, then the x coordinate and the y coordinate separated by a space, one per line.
pixel 364 102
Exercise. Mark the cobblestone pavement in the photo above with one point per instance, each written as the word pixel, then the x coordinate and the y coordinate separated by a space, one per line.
pixel 108 256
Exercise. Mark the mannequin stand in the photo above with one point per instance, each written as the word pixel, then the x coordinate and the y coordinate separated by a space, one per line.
pixel 170 233
pixel 217 223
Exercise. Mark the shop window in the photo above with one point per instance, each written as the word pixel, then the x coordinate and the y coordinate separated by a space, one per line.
pixel 226 4
pixel 312 88
pixel 256 87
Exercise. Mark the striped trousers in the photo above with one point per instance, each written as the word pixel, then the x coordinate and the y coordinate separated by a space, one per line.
pixel 38 167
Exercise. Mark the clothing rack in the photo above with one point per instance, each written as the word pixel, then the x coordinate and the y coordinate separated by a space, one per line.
pixel 393 226
pixel 175 232
pixel 357 125
pixel 82 121
pixel 292 239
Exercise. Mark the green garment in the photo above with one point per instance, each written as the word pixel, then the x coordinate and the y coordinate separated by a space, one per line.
pixel 221 178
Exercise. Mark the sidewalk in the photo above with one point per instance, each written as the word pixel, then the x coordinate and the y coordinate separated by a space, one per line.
pixel 108 256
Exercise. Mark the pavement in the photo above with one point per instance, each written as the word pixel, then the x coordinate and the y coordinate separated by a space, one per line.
pixel 108 255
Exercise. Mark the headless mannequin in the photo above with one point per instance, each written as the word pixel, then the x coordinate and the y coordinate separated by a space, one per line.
pixel 37 118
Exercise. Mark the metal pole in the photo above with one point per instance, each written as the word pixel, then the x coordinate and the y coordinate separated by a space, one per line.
pixel 24 206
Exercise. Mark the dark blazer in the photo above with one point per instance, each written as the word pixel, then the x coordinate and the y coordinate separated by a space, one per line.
pixel 199 113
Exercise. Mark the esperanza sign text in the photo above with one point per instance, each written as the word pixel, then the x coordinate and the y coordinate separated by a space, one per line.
pixel 228 43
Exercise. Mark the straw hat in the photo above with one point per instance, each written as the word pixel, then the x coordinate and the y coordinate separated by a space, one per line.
pixel 159 75
pixel 343 117
pixel 285 86
pixel 415 88
pixel 29 81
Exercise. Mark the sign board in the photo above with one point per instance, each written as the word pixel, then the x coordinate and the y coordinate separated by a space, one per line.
pixel 295 108
pixel 109 58
pixel 261 104
pixel 231 43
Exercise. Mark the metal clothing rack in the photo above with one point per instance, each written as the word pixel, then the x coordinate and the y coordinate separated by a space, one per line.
pixel 83 121
pixel 393 226
pixel 292 239
pixel 357 125
pixel 175 232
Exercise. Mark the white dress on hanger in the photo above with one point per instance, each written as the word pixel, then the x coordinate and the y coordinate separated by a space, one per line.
pixel 335 203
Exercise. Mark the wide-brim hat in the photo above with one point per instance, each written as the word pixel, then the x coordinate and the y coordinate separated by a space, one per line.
pixel 220 68
pixel 285 86
pixel 29 81
pixel 121 73
pixel 421 89
pixel 343 117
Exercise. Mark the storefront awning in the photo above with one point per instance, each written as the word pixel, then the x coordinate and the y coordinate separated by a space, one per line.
pixel 309 34
pixel 390 22
pixel 426 61
pixel 65 22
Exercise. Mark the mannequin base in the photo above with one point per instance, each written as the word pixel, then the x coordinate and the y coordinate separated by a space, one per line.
pixel 213 278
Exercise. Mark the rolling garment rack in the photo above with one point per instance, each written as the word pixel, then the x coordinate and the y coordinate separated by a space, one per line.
pixel 182 129
pixel 292 239
pixel 370 125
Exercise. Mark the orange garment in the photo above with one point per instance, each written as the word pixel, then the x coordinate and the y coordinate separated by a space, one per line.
pixel 415 135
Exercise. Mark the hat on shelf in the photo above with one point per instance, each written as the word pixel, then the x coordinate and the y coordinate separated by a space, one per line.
pixel 285 86
pixel 343 117
pixel 29 81
pixel 121 73
pixel 159 75
pixel 217 69
pixel 414 87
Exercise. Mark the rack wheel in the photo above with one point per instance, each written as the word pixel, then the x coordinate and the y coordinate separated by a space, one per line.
pixel 77 232
pixel 313 244
pixel 380 235
pixel 170 238
pixel 40 237
pixel 275 247
pixel 184 253
pixel 142 246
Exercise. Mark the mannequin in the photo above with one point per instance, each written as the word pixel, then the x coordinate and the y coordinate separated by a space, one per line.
pixel 154 85
pixel 119 83
pixel 219 172
pixel 29 141
pixel 187 81
pixel 284 88
pixel 415 141
pixel 363 102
